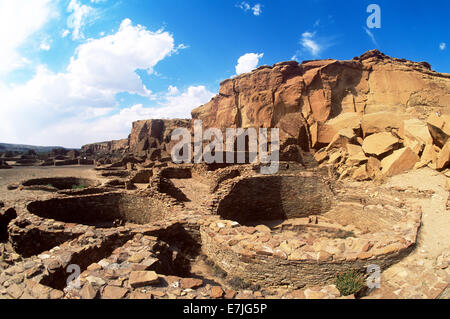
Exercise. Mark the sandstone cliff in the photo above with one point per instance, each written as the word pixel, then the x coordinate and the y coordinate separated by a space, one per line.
pixel 290 96
pixel 322 106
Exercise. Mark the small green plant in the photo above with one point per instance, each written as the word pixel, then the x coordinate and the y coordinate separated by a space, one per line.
pixel 79 186
pixel 349 283
pixel 49 185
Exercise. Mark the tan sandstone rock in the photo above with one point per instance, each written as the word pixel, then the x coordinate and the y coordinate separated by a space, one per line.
pixel 381 122
pixel 415 134
pixel 379 143
pixel 143 278
pixel 400 161
pixel 439 126
pixel 443 159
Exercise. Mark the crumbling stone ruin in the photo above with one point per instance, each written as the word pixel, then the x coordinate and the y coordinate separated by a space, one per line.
pixel 145 227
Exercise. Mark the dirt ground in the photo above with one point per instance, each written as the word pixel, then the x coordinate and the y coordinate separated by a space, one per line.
pixel 424 272
pixel 17 175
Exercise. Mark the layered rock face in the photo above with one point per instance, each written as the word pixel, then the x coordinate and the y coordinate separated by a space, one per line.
pixel 294 96
pixel 106 147
pixel 150 136
pixel 320 106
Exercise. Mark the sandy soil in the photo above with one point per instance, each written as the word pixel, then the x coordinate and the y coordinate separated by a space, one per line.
pixel 423 273
pixel 20 174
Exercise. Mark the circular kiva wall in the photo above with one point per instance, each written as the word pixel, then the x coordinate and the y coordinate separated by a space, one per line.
pixel 61 182
pixel 101 208
pixel 257 198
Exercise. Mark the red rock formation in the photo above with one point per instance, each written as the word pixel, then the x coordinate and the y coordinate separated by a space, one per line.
pixel 311 103
pixel 318 91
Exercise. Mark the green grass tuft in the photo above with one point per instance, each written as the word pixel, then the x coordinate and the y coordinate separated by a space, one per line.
pixel 79 186
pixel 350 282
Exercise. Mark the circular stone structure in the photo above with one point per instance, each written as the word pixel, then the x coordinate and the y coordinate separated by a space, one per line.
pixel 103 209
pixel 250 199
pixel 60 183
pixel 300 242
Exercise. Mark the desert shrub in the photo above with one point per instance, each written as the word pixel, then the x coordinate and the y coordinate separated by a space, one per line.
pixel 349 282
pixel 238 283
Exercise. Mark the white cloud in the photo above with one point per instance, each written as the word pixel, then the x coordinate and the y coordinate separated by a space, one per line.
pixel 442 46
pixel 65 33
pixel 309 43
pixel 44 46
pixel 257 10
pixel 245 6
pixel 18 21
pixel 248 62
pixel 81 14
pixel 371 35
pixel 93 126
pixel 99 70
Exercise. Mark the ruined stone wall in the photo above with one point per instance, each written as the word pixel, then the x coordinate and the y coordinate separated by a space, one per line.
pixel 273 271
pixel 275 197
pixel 101 208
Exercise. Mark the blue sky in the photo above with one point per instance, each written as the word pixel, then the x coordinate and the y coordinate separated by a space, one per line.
pixel 79 71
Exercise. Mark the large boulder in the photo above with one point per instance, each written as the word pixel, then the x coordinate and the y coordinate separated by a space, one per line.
pixel 381 122
pixel 379 143
pixel 415 134
pixel 439 126
pixel 443 159
pixel 400 161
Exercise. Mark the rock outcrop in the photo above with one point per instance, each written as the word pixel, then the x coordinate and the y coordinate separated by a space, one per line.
pixel 345 113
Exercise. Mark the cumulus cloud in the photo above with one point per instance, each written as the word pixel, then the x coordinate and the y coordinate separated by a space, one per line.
pixel 257 10
pixel 44 46
pixel 101 124
pixel 65 33
pixel 245 6
pixel 79 98
pixel 442 46
pixel 309 43
pixel 81 14
pixel 18 21
pixel 248 62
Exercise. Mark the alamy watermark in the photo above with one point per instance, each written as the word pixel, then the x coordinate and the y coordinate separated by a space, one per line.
pixel 374 279
pixel 374 20
pixel 245 144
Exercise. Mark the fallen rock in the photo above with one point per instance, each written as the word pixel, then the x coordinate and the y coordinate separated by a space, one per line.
pixel 439 127
pixel 216 292
pixel 320 156
pixel 143 278
pixel 113 292
pixel 429 156
pixel 379 143
pixel 190 283
pixel 88 292
pixel 381 122
pixel 374 168
pixel 443 159
pixel 355 154
pixel 342 138
pixel 360 174
pixel 400 161
pixel 324 133
pixel 415 134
